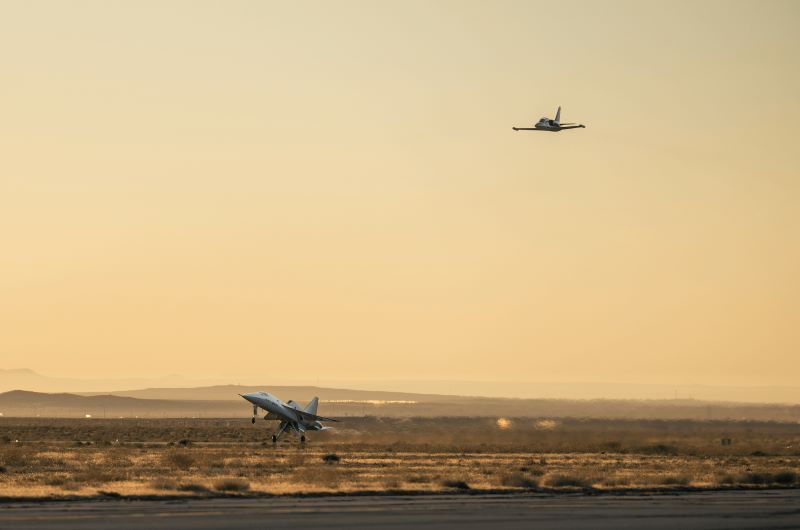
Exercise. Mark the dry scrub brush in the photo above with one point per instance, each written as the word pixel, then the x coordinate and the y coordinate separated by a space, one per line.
pixel 231 485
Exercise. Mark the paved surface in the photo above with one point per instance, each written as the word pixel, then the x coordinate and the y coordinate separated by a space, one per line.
pixel 723 510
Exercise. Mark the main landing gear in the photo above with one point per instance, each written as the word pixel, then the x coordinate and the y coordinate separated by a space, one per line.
pixel 274 438
pixel 302 438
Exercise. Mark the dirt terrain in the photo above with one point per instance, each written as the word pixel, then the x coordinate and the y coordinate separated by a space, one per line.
pixel 88 457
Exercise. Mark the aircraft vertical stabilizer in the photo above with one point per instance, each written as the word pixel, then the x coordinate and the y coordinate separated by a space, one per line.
pixel 311 408
pixel 558 115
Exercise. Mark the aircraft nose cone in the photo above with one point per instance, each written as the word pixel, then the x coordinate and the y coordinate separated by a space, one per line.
pixel 248 397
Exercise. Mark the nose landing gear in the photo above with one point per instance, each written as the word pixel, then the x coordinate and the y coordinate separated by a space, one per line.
pixel 255 411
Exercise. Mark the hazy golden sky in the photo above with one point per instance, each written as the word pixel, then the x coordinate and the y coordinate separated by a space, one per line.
pixel 333 189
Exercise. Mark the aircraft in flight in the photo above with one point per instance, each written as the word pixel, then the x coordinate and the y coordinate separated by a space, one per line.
pixel 290 415
pixel 555 125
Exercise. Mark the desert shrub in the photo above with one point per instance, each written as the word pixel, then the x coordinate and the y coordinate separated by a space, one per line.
pixel 231 484
pixel 785 477
pixel 755 478
pixel 518 480
pixel 659 449
pixel 185 442
pixel 113 494
pixel 782 477
pixel 331 458
pixel 564 481
pixel 675 480
pixel 177 459
pixel 418 479
pixel 192 487
pixel 3 469
pixel 457 484
pixel 758 453
pixel 726 479
pixel 536 471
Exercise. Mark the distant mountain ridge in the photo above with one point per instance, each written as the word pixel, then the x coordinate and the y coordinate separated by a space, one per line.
pixel 31 404
pixel 173 387
pixel 301 393
pixel 343 404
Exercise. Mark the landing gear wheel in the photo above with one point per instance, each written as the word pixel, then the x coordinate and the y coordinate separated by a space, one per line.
pixel 253 420
pixel 274 439
pixel 303 439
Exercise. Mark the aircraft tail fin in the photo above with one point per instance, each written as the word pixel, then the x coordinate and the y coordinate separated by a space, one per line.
pixel 311 408
pixel 558 115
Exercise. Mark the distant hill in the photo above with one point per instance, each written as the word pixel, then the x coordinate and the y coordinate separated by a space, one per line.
pixel 25 403
pixel 344 403
pixel 298 393
pixel 173 387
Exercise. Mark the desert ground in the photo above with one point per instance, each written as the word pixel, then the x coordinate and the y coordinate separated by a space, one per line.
pixel 74 458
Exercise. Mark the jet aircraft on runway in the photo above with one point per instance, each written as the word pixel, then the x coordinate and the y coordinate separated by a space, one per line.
pixel 554 125
pixel 290 415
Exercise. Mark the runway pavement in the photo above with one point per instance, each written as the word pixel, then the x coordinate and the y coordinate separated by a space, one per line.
pixel 768 509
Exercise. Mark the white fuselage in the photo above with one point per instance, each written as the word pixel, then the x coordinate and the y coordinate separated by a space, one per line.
pixel 270 403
